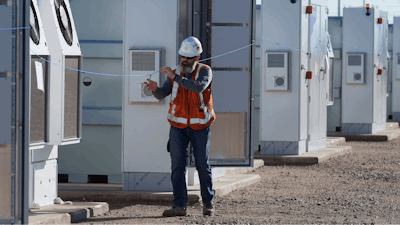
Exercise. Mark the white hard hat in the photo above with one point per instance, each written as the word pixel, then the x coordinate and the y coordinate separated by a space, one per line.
pixel 190 47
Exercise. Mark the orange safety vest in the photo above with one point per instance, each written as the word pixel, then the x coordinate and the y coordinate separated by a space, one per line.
pixel 188 108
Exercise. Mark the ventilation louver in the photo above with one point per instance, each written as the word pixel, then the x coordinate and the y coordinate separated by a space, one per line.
pixel 34 22
pixel 64 20
pixel 357 76
pixel 279 81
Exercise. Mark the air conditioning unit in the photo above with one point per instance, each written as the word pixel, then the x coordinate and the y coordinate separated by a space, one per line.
pixel 355 68
pixel 65 86
pixel 39 74
pixel 277 71
pixel 144 61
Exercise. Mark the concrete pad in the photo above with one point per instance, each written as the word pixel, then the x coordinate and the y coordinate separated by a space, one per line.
pixel 240 170
pixel 100 192
pixel 383 135
pixel 335 141
pixel 392 125
pixel 66 214
pixel 307 158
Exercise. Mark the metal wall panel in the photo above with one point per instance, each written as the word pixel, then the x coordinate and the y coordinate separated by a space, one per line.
pixel 228 137
pixel 5 110
pixel 230 91
pixel 231 11
pixel 5 39
pixel 140 152
pixel 280 116
pixel 98 153
pixel 39 92
pixel 395 66
pixel 101 49
pixel 101 95
pixel 225 39
pixel 359 107
pixel 103 19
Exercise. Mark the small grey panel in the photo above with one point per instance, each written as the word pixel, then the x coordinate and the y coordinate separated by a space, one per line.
pixel 354 60
pixel 231 11
pixel 38 108
pixel 143 61
pixel 337 53
pixel 71 98
pixel 230 91
pixel 276 60
pixel 101 116
pixel 5 39
pixel 398 60
pixel 225 39
pixel 396 116
pixel 150 181
pixel 280 148
pixel 5 111
pixel 357 128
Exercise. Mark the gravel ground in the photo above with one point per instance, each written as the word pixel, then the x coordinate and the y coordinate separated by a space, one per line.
pixel 359 187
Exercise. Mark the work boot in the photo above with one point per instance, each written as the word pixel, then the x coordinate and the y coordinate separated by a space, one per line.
pixel 175 211
pixel 208 209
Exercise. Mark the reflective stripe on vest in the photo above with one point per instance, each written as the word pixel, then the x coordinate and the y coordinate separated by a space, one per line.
pixel 207 116
pixel 171 116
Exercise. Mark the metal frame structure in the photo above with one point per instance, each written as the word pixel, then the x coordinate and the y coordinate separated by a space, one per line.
pixel 19 142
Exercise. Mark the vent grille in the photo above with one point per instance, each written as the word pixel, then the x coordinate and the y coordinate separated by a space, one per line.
pixel 143 61
pixel 146 92
pixel 354 60
pixel 279 81
pixel 357 76
pixel 276 60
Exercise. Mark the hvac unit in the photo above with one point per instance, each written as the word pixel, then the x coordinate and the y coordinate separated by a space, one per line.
pixel 355 73
pixel 397 63
pixel 277 71
pixel 39 74
pixel 144 61
pixel 65 86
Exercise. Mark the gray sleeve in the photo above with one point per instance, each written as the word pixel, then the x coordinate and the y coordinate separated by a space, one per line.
pixel 164 90
pixel 198 85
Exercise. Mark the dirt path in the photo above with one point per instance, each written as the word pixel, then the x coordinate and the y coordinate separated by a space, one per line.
pixel 360 187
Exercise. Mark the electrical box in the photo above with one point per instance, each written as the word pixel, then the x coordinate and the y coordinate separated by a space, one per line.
pixel 355 73
pixel 144 61
pixel 277 71
pixel 295 77
pixel 397 63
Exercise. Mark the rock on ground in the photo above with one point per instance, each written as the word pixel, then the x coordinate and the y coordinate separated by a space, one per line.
pixel 359 187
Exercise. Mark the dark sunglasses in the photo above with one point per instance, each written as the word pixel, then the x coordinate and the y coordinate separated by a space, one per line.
pixel 189 58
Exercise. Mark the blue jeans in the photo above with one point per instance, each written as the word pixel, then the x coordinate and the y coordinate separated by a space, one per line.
pixel 178 142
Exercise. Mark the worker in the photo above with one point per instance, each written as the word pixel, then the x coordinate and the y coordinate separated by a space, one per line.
pixel 190 114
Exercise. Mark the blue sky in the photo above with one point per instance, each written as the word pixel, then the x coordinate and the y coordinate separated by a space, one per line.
pixel 391 6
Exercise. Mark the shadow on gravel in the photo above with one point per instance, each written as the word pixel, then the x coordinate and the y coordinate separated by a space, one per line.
pixel 120 205
pixel 94 219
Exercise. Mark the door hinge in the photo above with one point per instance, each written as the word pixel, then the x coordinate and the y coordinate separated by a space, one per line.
pixel 309 98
